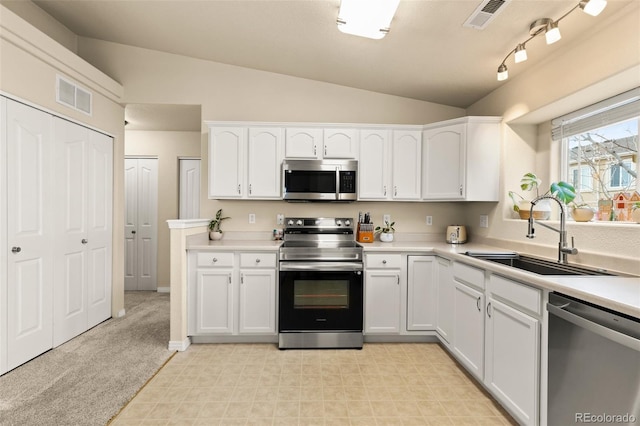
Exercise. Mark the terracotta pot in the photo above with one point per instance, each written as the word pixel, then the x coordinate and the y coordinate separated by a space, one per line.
pixel 582 214
pixel 215 236
pixel 386 237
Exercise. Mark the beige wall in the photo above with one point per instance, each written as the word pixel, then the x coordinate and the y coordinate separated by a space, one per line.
pixel 602 64
pixel 167 147
pixel 30 62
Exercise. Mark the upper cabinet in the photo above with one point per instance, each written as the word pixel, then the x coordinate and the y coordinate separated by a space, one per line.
pixel 317 143
pixel 245 162
pixel 461 159
pixel 405 169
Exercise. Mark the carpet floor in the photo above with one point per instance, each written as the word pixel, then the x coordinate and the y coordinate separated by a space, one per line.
pixel 87 380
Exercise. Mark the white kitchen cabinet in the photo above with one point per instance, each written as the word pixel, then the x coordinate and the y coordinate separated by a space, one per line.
pixel 461 159
pixel 374 177
pixel 406 164
pixel 231 293
pixel 468 318
pixel 244 162
pixel 382 301
pixel 340 143
pixel 421 292
pixel 226 155
pixel 214 301
pixel 303 142
pixel 444 295
pixel 512 352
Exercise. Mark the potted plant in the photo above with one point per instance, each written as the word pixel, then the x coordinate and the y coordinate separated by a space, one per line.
pixel 581 212
pixel 386 231
pixel 522 205
pixel 215 233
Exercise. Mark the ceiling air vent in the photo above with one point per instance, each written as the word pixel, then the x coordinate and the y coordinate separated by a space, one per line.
pixel 72 95
pixel 485 13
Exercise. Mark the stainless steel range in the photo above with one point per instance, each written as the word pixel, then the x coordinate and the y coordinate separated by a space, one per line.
pixel 321 285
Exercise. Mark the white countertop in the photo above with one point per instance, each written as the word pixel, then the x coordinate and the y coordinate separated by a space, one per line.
pixel 620 293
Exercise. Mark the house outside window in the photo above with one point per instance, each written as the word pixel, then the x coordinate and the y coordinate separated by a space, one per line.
pixel 600 155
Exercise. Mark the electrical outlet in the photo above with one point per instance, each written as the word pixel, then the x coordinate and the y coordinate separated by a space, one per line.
pixel 386 218
pixel 484 221
pixel 429 220
pixel 252 218
pixel 279 219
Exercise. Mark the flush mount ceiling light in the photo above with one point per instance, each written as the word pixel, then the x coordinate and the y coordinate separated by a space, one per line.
pixel 551 32
pixel 366 18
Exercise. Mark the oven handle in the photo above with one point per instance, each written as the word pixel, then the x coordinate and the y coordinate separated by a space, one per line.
pixel 321 266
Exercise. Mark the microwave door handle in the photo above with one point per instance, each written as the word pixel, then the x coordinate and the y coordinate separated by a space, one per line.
pixel 337 182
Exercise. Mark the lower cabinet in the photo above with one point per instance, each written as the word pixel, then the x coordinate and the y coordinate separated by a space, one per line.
pixel 468 328
pixel 232 293
pixel 421 293
pixel 444 299
pixel 383 293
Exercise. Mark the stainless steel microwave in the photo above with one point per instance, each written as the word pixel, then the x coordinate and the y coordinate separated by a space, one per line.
pixel 319 180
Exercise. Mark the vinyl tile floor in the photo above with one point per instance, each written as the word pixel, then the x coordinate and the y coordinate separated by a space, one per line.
pixel 258 384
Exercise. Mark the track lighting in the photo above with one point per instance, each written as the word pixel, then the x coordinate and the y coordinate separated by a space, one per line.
pixel 551 31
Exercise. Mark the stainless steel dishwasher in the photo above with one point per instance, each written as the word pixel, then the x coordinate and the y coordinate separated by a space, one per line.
pixel 594 364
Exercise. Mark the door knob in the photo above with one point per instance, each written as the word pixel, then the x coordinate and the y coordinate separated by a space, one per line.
pixel 84 241
pixel 16 249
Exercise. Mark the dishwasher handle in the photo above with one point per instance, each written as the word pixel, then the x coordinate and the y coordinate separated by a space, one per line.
pixel 594 327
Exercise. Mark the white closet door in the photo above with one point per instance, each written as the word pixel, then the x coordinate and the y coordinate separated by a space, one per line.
pixel 189 188
pixel 141 212
pixel 99 226
pixel 70 230
pixel 29 230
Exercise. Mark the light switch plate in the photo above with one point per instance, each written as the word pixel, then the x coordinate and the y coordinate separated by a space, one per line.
pixel 386 218
pixel 429 220
pixel 484 221
pixel 279 219
pixel 252 218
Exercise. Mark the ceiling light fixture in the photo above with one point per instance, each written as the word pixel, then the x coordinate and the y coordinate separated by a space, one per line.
pixel 551 32
pixel 366 18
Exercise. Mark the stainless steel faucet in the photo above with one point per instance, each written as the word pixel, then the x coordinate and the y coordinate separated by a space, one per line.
pixel 563 250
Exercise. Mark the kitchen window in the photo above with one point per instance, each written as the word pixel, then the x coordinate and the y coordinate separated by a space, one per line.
pixel 600 155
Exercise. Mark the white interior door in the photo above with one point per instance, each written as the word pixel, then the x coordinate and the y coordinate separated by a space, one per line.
pixel 189 188
pixel 29 233
pixel 141 212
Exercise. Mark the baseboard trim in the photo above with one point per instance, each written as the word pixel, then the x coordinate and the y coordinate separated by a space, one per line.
pixel 164 289
pixel 382 338
pixel 255 338
pixel 179 345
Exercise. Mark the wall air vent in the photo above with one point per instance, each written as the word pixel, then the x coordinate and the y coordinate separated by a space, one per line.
pixel 72 95
pixel 485 13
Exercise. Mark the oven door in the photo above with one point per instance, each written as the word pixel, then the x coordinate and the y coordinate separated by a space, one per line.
pixel 320 296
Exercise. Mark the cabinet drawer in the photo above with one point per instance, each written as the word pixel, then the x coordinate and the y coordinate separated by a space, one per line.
pixel 516 294
pixel 257 260
pixel 468 274
pixel 383 261
pixel 216 259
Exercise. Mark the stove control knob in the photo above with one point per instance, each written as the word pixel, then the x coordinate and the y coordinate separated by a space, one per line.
pixel 347 222
pixel 299 222
pixel 338 222
pixel 290 223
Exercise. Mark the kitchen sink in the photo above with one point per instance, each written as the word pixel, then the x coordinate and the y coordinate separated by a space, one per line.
pixel 536 265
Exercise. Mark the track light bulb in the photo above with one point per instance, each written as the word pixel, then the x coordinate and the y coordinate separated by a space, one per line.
pixel 552 33
pixel 593 7
pixel 503 72
pixel 521 54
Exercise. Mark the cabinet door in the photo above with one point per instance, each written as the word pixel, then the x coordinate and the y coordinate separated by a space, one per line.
pixel 302 143
pixel 257 301
pixel 340 143
pixel 264 162
pixel 406 164
pixel 421 293
pixel 443 162
pixel 468 328
pixel 512 359
pixel 29 304
pixel 226 151
pixel 214 301
pixel 382 301
pixel 373 165
pixel 444 294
